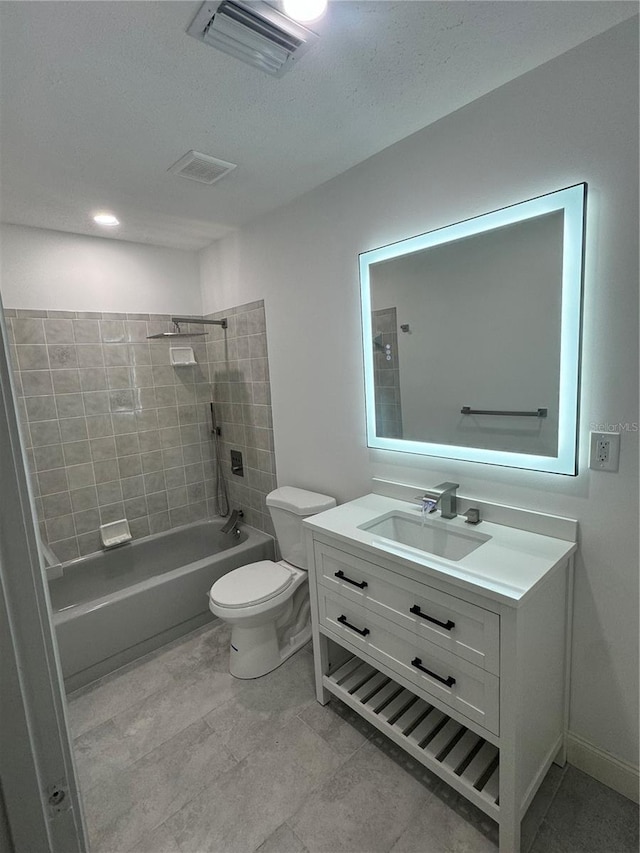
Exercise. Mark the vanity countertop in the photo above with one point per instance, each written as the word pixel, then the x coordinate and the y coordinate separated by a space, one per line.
pixel 506 568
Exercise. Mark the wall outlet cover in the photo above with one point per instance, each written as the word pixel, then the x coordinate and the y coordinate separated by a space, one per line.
pixel 604 452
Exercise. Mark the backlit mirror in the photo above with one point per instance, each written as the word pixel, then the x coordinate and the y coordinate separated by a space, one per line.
pixel 471 337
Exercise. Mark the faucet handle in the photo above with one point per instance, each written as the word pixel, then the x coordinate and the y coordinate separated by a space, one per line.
pixel 446 487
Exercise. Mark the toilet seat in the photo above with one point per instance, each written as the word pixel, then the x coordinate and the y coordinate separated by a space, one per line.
pixel 251 584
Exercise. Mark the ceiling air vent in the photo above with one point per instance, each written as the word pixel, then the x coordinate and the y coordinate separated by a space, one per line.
pixel 254 32
pixel 201 167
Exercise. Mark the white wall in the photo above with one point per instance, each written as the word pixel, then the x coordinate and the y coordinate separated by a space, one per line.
pixel 55 270
pixel 574 119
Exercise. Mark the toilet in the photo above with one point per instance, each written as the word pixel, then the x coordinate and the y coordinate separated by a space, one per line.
pixel 267 603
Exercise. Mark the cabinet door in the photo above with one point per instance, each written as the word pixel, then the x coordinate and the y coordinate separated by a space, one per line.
pixel 435 672
pixel 460 627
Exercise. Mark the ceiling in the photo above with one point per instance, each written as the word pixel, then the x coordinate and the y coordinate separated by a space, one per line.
pixel 98 99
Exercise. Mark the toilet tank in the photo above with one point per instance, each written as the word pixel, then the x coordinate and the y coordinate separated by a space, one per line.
pixel 289 507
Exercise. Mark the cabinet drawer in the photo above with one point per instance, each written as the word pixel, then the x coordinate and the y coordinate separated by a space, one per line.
pixel 466 630
pixel 468 689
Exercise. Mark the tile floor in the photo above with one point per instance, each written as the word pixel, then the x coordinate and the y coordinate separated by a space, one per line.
pixel 176 756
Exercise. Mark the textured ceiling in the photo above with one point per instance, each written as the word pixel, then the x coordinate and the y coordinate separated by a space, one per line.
pixel 98 99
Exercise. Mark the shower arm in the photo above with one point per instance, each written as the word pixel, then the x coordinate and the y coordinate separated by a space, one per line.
pixel 200 321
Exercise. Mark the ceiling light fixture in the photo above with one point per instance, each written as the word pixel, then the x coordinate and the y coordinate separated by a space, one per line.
pixel 107 219
pixel 305 11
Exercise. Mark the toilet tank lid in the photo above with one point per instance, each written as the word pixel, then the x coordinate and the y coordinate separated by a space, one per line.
pixel 299 501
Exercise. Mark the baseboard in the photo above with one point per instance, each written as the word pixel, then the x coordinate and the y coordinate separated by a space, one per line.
pixel 622 777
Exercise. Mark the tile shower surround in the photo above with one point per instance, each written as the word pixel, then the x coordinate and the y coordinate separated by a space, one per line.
pixel 113 430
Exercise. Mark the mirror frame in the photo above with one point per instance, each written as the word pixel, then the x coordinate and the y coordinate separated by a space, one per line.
pixel 572 201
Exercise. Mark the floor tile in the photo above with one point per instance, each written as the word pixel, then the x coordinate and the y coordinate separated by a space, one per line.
pixel 244 806
pixel 176 756
pixel 112 694
pixel 547 840
pixel 591 818
pixel 158 841
pixel 263 707
pixel 124 808
pixel 539 807
pixel 448 824
pixel 363 808
pixel 163 714
pixel 100 753
pixel 342 728
pixel 283 840
pixel 209 645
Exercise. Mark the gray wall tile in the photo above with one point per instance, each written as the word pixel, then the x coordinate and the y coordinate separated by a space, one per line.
pixel 85 498
pixel 106 471
pixel 109 493
pixel 96 402
pixel 28 331
pixel 73 429
pixel 53 481
pixel 41 408
pixel 86 521
pixel 62 356
pixel 32 357
pixel 86 331
pixel 46 458
pixel 103 448
pixel 126 433
pixel 69 405
pixel 99 426
pixel 112 512
pixel 45 432
pixel 66 381
pixel 56 505
pixel 93 379
pixel 81 475
pixel 132 487
pixel 90 355
pixel 76 452
pixel 62 527
pixel 58 331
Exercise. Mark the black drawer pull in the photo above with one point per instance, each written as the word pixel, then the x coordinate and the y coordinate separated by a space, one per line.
pixel 362 631
pixel 360 584
pixel 450 681
pixel 448 625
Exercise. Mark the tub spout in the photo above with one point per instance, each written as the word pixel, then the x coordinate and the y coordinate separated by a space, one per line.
pixel 233 524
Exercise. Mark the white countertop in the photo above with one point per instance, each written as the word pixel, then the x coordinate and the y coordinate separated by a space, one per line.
pixel 506 568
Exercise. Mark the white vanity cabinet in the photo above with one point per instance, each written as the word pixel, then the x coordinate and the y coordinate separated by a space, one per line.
pixel 468 677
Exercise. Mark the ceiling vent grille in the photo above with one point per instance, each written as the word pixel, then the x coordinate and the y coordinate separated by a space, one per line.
pixel 201 167
pixel 254 32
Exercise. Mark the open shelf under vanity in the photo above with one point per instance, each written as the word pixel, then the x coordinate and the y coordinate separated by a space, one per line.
pixel 445 746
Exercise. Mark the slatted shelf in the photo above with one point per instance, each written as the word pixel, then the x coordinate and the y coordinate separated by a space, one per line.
pixel 448 748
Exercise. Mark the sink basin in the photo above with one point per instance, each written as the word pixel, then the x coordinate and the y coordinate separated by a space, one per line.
pixel 433 537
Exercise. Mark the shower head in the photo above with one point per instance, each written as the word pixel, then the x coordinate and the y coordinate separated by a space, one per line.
pixel 178 334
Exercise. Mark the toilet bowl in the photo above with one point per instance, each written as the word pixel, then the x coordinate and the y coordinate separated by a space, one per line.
pixel 267 603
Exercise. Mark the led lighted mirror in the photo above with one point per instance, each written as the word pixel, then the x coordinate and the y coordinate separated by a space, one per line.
pixel 472 337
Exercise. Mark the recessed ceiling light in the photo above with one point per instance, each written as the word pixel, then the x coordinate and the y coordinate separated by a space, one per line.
pixel 305 11
pixel 106 219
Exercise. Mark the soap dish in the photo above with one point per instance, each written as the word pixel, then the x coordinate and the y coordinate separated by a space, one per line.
pixel 182 356
pixel 115 533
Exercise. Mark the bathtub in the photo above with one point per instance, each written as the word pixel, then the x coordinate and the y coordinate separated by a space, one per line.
pixel 114 606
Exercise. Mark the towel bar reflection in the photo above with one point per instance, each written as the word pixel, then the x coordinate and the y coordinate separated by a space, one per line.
pixel 539 413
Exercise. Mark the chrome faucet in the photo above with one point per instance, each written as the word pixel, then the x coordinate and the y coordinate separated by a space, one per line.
pixel 233 524
pixel 445 496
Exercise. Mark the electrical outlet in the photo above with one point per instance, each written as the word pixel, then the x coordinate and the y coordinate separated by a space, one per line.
pixel 605 451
